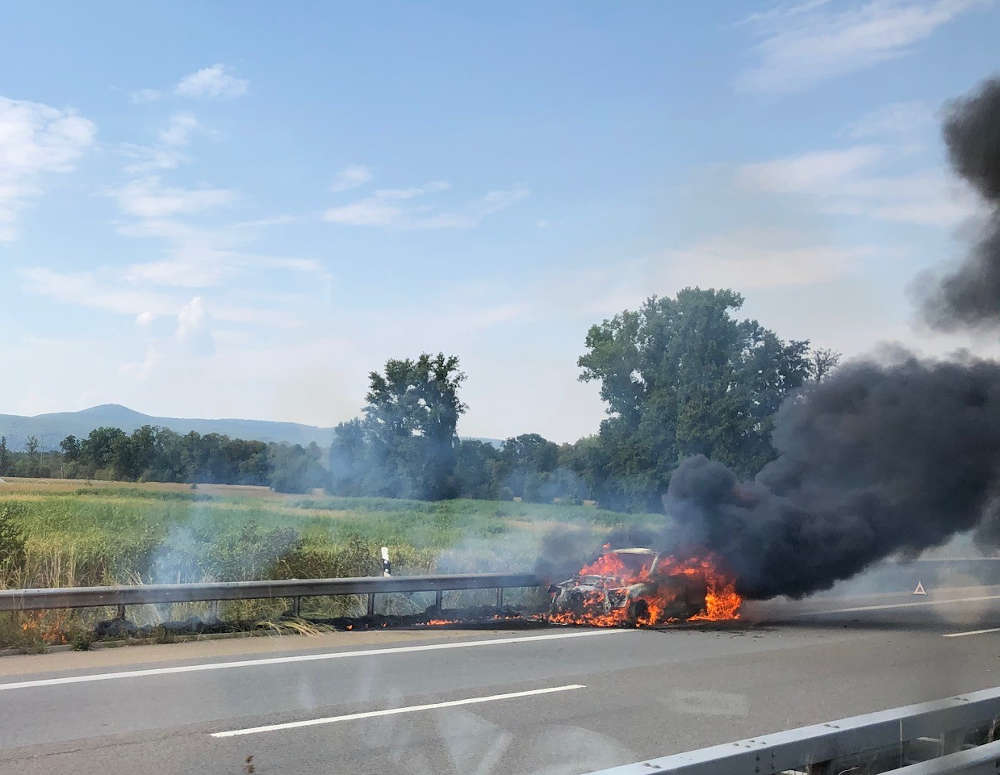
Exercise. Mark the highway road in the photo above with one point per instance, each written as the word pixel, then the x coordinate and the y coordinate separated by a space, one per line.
pixel 533 700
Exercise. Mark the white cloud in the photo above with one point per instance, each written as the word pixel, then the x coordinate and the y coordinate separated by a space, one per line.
pixel 385 208
pixel 180 129
pixel 852 181
pixel 365 212
pixel 260 223
pixel 809 172
pixel 84 290
pixel 110 292
pixel 191 319
pixel 759 259
pixel 179 273
pixel 144 96
pixel 148 198
pixel 928 198
pixel 166 154
pixel 141 371
pixel 413 191
pixel 259 316
pixel 291 264
pixel 351 177
pixel 214 81
pixel 147 158
pixel 199 265
pixel 804 44
pixel 169 229
pixel 35 139
pixel 894 119
pixel 500 199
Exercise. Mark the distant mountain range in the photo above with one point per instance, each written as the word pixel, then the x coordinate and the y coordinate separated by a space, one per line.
pixel 52 428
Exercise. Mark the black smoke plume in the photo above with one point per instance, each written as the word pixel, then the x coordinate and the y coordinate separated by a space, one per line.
pixel 877 460
pixel 969 296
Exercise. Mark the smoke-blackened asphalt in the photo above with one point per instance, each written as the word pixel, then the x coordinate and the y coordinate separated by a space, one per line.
pixel 617 697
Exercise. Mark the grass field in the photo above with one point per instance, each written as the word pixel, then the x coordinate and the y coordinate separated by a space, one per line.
pixel 92 533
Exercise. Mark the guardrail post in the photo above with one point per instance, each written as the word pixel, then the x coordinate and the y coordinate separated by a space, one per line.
pixel 371 605
pixel 296 607
pixel 952 741
pixel 120 612
pixel 439 600
pixel 499 597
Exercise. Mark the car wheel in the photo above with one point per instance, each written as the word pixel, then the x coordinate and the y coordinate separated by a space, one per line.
pixel 637 609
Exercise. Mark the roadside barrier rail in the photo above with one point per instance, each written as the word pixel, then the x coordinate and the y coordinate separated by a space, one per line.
pixel 930 738
pixel 295 589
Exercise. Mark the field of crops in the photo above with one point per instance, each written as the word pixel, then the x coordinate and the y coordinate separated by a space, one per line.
pixel 78 533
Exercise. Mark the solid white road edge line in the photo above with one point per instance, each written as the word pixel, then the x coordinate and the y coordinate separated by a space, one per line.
pixel 900 605
pixel 970 632
pixel 74 679
pixel 394 711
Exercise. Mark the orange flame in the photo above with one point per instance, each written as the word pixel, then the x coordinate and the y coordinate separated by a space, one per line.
pixel 660 591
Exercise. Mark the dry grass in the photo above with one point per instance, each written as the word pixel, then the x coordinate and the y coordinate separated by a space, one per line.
pixel 50 486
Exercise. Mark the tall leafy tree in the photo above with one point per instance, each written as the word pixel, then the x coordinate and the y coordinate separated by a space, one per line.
pixel 526 464
pixel 350 461
pixel 411 417
pixel 5 457
pixel 133 455
pixel 295 468
pixel 70 447
pixel 822 361
pixel 31 447
pixel 98 449
pixel 476 467
pixel 682 376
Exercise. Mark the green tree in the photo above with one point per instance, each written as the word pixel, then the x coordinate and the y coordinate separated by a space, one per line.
pixel 526 464
pixel 411 416
pixel 70 447
pixel 349 459
pixel 97 451
pixel 132 456
pixel 5 459
pixel 476 466
pixel 681 376
pixel 31 447
pixel 821 362
pixel 295 468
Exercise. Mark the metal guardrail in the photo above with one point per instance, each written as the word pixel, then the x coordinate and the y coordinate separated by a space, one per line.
pixel 815 749
pixel 982 759
pixel 87 597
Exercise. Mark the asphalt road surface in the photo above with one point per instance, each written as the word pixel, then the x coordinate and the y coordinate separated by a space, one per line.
pixel 538 700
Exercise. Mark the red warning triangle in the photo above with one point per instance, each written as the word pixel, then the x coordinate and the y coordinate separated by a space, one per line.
pixel 920 589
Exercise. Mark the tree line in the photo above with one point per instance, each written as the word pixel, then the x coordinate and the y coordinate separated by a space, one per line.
pixel 680 376
pixel 161 455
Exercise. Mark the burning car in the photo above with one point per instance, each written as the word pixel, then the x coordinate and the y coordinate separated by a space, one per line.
pixel 639 586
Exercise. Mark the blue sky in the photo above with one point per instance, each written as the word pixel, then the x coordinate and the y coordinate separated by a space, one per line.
pixel 236 209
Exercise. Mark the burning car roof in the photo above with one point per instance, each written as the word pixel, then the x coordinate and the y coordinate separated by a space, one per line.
pixel 633 550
